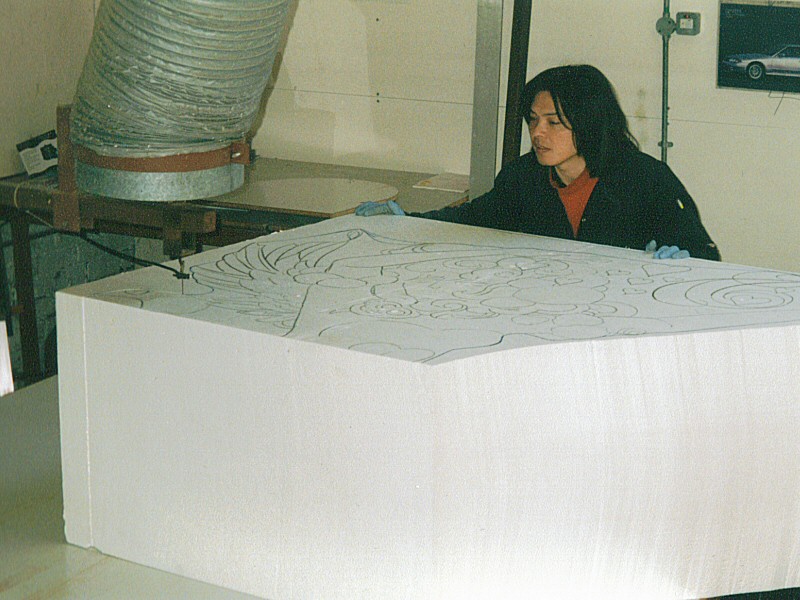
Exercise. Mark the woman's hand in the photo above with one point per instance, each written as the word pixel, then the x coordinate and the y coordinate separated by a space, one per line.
pixel 666 251
pixel 370 209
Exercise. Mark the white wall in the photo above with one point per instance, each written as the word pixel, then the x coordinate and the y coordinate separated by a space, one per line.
pixel 375 83
pixel 43 46
pixel 388 83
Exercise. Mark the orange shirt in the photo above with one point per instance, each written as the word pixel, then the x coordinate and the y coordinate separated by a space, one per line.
pixel 575 196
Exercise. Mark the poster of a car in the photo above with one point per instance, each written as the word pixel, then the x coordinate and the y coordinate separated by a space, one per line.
pixel 759 45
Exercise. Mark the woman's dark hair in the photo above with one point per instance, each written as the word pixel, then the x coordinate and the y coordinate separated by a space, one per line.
pixel 586 99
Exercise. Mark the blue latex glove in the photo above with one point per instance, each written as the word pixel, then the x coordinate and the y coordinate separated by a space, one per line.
pixel 370 209
pixel 666 251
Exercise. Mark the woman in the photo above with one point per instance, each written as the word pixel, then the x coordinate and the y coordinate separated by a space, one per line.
pixel 585 178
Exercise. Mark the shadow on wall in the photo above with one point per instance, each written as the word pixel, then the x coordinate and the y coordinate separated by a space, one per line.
pixel 273 77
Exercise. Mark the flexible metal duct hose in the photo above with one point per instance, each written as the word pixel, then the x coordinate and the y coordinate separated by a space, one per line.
pixel 171 77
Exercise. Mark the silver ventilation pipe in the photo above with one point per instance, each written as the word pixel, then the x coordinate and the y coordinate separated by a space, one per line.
pixel 169 90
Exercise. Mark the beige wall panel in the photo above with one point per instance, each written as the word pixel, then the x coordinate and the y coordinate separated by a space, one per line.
pixel 416 57
pixel 43 47
pixel 751 204
pixel 413 49
pixel 617 36
pixel 647 131
pixel 362 131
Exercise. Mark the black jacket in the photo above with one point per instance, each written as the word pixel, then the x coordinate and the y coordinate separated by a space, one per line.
pixel 639 201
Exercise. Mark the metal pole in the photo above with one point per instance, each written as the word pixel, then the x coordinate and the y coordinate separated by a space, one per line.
pixel 26 298
pixel 666 27
pixel 517 73
pixel 486 97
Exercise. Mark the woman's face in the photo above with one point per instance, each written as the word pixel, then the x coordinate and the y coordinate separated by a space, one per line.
pixel 552 139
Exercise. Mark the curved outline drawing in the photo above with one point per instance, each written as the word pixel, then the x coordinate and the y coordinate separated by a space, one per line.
pixel 436 301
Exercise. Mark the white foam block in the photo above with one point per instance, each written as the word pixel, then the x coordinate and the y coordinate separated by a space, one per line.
pixel 6 375
pixel 390 407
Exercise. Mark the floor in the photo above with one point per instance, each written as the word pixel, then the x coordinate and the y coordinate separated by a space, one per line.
pixel 35 561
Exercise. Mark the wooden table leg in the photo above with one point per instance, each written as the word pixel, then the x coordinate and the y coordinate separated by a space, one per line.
pixel 23 276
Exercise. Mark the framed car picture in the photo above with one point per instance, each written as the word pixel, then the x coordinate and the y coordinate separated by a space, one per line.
pixel 759 45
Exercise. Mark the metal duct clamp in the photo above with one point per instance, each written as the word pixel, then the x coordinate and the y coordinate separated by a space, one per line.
pixel 237 153
pixel 178 177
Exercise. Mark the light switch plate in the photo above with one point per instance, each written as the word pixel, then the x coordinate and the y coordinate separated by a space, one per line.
pixel 688 23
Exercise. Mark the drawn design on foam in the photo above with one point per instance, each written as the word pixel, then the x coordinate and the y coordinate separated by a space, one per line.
pixel 433 302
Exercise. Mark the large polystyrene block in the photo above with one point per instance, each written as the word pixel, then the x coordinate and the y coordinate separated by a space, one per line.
pixel 390 407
